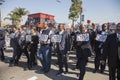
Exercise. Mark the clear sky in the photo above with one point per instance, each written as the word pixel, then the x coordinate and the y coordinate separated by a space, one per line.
pixel 98 11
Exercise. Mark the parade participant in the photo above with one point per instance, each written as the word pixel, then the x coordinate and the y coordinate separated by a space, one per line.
pixel 22 46
pixel 33 46
pixel 111 51
pixel 93 33
pixel 2 44
pixel 99 48
pixel 14 36
pixel 83 49
pixel 45 48
pixel 72 35
pixel 62 49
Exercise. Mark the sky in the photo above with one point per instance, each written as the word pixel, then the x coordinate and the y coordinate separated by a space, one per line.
pixel 98 11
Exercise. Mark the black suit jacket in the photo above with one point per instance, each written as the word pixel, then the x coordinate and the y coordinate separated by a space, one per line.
pixel 64 44
pixel 83 48
pixel 110 50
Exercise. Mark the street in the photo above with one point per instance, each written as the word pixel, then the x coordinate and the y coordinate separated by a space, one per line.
pixel 21 72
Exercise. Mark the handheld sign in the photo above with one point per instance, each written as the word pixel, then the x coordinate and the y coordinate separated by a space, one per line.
pixel 101 38
pixel 118 36
pixel 12 35
pixel 56 38
pixel 83 37
pixel 28 38
pixel 43 37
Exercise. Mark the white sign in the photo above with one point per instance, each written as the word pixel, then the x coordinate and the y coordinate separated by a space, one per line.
pixel 118 36
pixel 83 37
pixel 28 37
pixel 56 38
pixel 101 38
pixel 12 35
pixel 43 37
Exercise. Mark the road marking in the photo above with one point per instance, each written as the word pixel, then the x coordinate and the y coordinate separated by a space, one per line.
pixel 33 78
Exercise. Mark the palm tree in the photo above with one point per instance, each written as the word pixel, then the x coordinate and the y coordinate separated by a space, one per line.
pixel 20 12
pixel 13 17
pixel 16 15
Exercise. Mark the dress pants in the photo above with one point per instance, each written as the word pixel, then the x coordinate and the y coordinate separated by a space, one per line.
pixel 2 54
pixel 19 53
pixel 82 67
pixel 62 61
pixel 112 72
pixel 97 61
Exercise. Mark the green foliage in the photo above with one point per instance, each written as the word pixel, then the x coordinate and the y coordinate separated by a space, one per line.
pixel 75 10
pixel 1 1
pixel 16 15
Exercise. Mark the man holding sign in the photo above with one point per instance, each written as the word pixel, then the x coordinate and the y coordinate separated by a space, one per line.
pixel 83 50
pixel 62 49
pixel 45 48
pixel 99 41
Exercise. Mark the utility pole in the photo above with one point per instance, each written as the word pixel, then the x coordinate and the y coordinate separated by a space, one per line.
pixel 81 10
pixel 1 1
pixel 0 14
pixel 80 16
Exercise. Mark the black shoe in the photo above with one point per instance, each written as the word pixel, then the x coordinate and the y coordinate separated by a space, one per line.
pixel 34 64
pixel 16 64
pixel 102 71
pixel 11 65
pixel 41 69
pixel 46 71
pixel 65 72
pixel 94 71
pixel 2 59
pixel 60 74
pixel 29 67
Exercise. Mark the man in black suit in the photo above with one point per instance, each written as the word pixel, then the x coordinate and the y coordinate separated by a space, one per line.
pixel 62 49
pixel 112 51
pixel 83 51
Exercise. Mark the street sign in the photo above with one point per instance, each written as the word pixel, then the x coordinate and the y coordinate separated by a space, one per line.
pixel 82 17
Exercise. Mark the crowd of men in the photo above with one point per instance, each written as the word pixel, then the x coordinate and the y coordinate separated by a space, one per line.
pixel 104 44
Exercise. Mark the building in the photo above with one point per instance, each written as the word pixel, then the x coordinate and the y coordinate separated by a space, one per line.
pixel 37 19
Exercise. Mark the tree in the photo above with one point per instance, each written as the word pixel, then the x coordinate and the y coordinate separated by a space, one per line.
pixel 20 12
pixel 13 17
pixel 1 1
pixel 75 10
pixel 16 15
